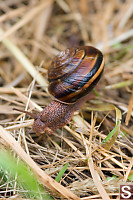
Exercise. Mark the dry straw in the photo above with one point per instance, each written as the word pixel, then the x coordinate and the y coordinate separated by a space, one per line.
pixel 97 143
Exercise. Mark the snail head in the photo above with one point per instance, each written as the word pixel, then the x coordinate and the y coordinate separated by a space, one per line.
pixel 38 126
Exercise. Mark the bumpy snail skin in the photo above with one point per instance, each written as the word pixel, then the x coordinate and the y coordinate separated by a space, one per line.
pixel 54 116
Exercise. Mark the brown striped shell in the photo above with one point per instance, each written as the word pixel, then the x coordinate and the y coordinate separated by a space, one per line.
pixel 74 73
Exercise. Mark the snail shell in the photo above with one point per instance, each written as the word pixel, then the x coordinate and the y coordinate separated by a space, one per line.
pixel 74 73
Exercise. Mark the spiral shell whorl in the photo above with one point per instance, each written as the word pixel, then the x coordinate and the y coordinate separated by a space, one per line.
pixel 74 72
pixel 64 63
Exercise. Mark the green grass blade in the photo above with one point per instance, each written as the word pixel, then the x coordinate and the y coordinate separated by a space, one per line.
pixel 25 178
pixel 59 176
pixel 111 133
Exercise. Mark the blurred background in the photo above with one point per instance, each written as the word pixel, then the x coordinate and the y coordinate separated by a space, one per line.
pixel 32 32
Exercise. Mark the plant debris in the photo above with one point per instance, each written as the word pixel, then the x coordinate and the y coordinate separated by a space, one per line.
pixel 93 153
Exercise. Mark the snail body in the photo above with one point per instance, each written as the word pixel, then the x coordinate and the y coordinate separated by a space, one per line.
pixel 72 75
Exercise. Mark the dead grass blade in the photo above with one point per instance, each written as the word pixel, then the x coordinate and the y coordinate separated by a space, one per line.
pixel 96 180
pixel 27 17
pixel 46 180
pixel 25 62
pixel 130 107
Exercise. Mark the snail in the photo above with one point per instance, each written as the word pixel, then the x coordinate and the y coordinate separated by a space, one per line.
pixel 72 75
